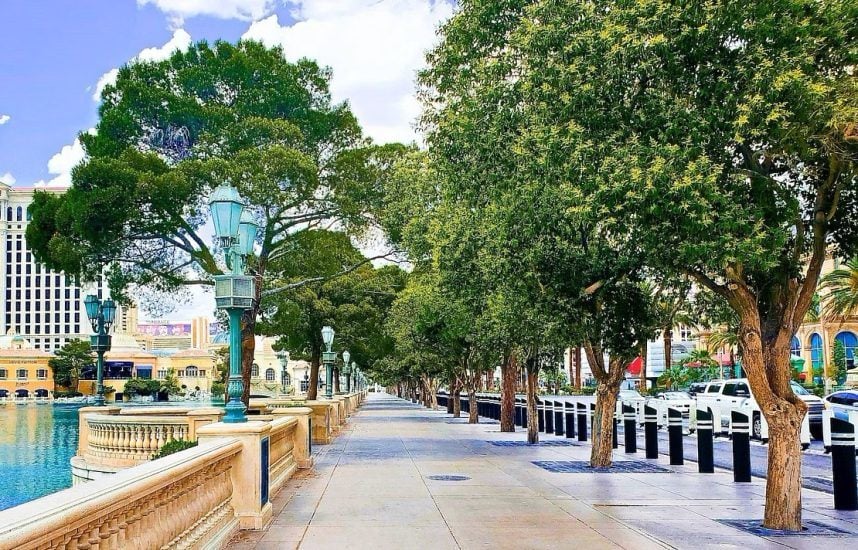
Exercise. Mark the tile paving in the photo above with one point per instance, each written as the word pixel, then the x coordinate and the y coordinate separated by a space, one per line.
pixel 372 488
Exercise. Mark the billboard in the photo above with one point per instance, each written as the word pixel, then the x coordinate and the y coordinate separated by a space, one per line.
pixel 165 329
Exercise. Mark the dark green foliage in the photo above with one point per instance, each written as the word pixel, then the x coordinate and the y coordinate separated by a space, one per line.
pixel 68 362
pixel 140 386
pixel 173 446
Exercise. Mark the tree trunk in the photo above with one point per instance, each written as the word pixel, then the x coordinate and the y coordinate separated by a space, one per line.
pixel 457 399
pixel 473 417
pixel 769 373
pixel 667 335
pixel 509 373
pixel 643 366
pixel 452 389
pixel 601 452
pixel 532 414
pixel 578 367
pixel 248 348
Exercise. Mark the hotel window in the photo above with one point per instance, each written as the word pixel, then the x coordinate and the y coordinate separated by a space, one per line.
pixel 181 373
pixel 4 374
pixel 269 375
pixel 22 374
pixel 254 371
pixel 162 374
pixel 191 372
pixel 685 333
pixel 19 213
pixel 42 374
pixel 202 373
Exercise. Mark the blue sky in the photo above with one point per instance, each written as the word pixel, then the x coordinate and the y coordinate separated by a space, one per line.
pixel 54 52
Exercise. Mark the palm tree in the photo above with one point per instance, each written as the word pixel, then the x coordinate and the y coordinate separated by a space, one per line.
pixel 842 286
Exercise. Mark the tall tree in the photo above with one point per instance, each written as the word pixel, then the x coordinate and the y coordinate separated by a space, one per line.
pixel 68 361
pixel 724 137
pixel 353 300
pixel 169 132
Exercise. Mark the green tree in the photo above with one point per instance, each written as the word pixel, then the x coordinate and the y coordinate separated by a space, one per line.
pixel 838 359
pixel 68 362
pixel 674 377
pixel 169 132
pixel 841 299
pixel 722 138
pixel 170 383
pixel 341 290
pixel 139 386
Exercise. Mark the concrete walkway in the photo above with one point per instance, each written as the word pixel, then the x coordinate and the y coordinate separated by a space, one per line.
pixel 374 489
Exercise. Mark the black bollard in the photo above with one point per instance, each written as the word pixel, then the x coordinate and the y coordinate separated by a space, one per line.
pixel 558 418
pixel 616 437
pixel 517 412
pixel 582 421
pixel 705 451
pixel 549 417
pixel 540 405
pixel 524 413
pixel 651 431
pixel 843 464
pixel 630 429
pixel 592 417
pixel 741 447
pixel 569 413
pixel 674 433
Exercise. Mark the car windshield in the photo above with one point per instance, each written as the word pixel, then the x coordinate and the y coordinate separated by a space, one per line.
pixel 676 395
pixel 630 394
pixel 798 389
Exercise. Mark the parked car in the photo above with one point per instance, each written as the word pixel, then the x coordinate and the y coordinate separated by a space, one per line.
pixel 728 395
pixel 843 400
pixel 676 399
pixel 696 387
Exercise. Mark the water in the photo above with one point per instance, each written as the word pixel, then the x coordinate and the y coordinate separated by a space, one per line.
pixel 36 444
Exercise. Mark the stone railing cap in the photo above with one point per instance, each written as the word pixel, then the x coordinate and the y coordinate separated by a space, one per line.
pixel 238 428
pixel 103 410
pixel 207 411
pixel 163 411
pixel 292 411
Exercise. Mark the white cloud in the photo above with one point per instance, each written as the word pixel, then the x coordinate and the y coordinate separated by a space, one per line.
pixel 107 78
pixel 60 165
pixel 4 119
pixel 245 10
pixel 180 40
pixel 7 178
pixel 374 48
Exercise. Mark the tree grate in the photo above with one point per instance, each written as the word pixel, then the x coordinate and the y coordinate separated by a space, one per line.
pixel 810 528
pixel 526 444
pixel 447 477
pixel 618 467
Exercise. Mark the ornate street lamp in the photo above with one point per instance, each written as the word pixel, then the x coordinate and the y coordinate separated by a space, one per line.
pixel 328 358
pixel 283 355
pixel 235 229
pixel 101 316
pixel 346 371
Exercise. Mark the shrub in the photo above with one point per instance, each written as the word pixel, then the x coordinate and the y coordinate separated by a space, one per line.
pixel 59 393
pixel 173 446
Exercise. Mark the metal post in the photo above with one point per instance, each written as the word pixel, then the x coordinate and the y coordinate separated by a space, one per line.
pixel 558 418
pixel 582 421
pixel 741 447
pixel 843 464
pixel 674 432
pixel 569 410
pixel 235 409
pixel 705 450
pixel 99 369
pixel 329 381
pixel 630 429
pixel 651 431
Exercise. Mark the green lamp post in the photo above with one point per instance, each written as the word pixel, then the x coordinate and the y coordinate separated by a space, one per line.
pixel 235 229
pixel 101 316
pixel 328 358
pixel 346 370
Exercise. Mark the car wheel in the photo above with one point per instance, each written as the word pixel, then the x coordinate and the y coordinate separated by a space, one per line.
pixel 757 427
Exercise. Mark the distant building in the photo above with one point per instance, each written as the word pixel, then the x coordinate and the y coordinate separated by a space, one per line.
pixel 43 306
pixel 24 370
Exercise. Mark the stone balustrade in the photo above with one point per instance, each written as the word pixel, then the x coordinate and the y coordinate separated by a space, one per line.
pixel 111 439
pixel 192 499
pixel 181 501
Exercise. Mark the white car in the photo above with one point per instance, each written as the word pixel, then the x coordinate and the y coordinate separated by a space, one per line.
pixel 672 399
pixel 721 397
pixel 843 404
pixel 633 399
